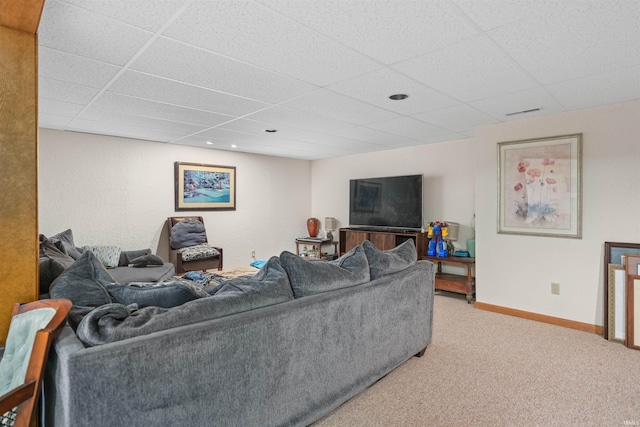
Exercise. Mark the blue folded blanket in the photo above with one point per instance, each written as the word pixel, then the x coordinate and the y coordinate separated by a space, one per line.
pixel 258 264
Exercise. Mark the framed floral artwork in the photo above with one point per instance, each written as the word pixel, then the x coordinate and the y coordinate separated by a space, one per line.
pixel 540 186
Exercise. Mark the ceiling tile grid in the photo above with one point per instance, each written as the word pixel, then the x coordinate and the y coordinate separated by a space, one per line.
pixel 321 72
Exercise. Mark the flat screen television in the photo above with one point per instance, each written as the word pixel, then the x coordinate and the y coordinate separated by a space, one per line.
pixel 393 203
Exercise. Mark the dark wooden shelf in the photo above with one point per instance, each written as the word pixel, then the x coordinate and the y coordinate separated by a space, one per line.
pixel 455 282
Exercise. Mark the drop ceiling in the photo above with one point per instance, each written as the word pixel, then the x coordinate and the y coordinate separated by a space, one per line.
pixel 219 74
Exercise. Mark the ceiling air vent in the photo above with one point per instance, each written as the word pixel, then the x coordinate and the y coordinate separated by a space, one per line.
pixel 515 113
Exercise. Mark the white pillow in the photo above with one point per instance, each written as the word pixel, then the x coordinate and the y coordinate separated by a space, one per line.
pixel 109 256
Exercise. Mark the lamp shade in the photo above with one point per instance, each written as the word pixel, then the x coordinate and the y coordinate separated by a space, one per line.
pixel 330 223
pixel 453 228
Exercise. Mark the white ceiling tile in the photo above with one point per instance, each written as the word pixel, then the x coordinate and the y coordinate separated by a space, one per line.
pixel 63 91
pixel 149 15
pixel 605 88
pixel 140 85
pixel 74 30
pixel 75 69
pixel 118 129
pixel 178 61
pixel 376 87
pixel 52 121
pixel 459 118
pixel 471 70
pixel 592 37
pixel 116 117
pixel 279 115
pixel 389 31
pixel 373 136
pixel 500 106
pixel 147 108
pixel 257 35
pixel 497 13
pixel 414 129
pixel 339 107
pixel 61 108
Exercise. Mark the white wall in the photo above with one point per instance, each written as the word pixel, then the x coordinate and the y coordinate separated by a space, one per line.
pixel 120 191
pixel 461 178
pixel 448 182
pixel 517 271
pixel 117 191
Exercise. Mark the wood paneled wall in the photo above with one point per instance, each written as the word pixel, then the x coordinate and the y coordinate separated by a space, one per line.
pixel 18 155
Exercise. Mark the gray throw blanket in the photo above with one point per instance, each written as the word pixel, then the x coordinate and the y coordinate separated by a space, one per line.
pixel 115 322
pixel 187 233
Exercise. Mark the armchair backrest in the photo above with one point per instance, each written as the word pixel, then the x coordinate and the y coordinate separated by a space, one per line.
pixel 33 328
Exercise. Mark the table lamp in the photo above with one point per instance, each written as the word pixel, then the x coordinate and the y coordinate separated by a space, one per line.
pixel 452 228
pixel 330 224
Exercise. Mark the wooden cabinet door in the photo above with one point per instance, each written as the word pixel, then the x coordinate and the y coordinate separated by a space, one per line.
pixel 383 241
pixel 353 239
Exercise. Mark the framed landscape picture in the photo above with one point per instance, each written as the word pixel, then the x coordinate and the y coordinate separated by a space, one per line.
pixel 204 187
pixel 540 186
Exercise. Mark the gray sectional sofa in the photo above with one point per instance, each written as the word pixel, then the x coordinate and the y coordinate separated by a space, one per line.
pixel 282 348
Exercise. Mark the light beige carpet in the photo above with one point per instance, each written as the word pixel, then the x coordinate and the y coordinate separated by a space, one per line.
pixel 489 369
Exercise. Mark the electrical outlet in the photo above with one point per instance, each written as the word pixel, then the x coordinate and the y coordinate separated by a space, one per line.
pixel 253 254
pixel 555 288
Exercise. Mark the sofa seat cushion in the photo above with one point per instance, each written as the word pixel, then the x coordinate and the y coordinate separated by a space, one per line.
pixel 312 277
pixel 389 261
pixel 202 251
pixel 116 322
pixel 124 275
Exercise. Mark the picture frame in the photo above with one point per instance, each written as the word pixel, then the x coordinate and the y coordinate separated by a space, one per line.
pixel 617 303
pixel 633 301
pixel 202 187
pixel 614 253
pixel 540 186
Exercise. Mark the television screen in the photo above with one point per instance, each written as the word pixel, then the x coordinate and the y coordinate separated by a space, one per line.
pixel 391 202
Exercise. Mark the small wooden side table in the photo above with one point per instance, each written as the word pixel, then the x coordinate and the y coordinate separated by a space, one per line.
pixel 316 243
pixel 455 282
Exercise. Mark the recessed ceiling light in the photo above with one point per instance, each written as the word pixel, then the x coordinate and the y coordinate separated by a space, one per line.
pixel 234 146
pixel 399 96
pixel 271 130
pixel 209 143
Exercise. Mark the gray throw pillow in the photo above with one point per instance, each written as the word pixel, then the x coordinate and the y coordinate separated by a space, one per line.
pixel 390 261
pixel 65 238
pixel 146 260
pixel 187 233
pixel 165 294
pixel 52 263
pixel 312 277
pixel 271 283
pixel 83 283
pixel 127 256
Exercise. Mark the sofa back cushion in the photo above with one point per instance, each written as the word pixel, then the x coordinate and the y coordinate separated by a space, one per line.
pixel 52 262
pixel 83 283
pixel 312 277
pixel 389 261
